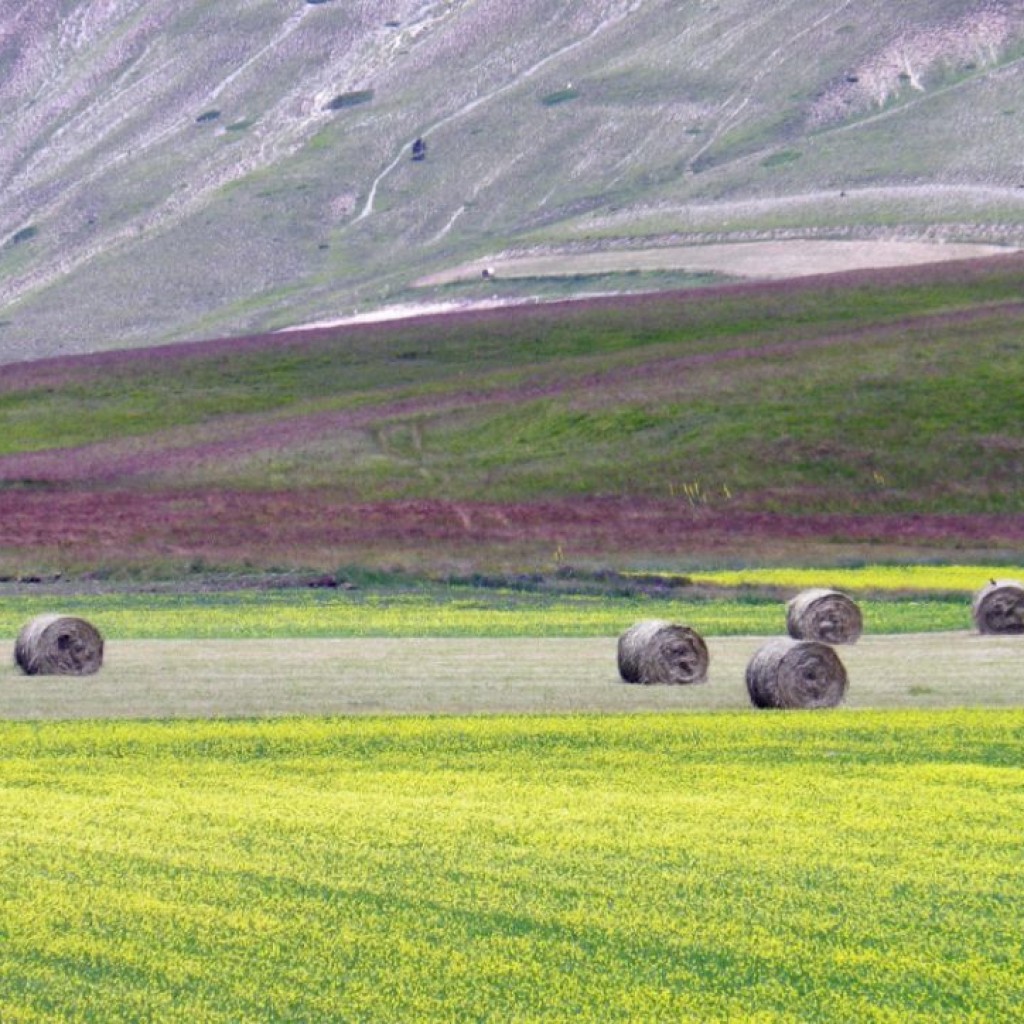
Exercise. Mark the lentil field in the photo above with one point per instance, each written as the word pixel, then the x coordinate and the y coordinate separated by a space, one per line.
pixel 704 867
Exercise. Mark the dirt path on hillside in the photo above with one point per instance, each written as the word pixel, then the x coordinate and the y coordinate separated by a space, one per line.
pixel 488 97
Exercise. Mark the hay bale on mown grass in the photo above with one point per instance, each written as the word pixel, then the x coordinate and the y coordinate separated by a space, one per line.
pixel 656 652
pixel 58 645
pixel 826 615
pixel 796 675
pixel 999 607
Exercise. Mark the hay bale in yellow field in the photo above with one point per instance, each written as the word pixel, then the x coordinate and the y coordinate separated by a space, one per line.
pixel 58 645
pixel 999 607
pixel 662 653
pixel 825 615
pixel 796 674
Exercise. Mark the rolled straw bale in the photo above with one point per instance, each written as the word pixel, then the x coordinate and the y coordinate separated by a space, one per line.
pixel 657 652
pixel 58 645
pixel 792 674
pixel 999 607
pixel 825 615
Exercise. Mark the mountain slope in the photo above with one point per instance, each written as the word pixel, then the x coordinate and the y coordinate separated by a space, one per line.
pixel 177 171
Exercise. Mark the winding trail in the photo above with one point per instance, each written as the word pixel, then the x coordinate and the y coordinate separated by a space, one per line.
pixel 472 105
pixel 736 103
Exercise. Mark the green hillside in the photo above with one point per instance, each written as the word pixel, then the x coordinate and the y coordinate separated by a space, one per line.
pixel 202 169
pixel 838 413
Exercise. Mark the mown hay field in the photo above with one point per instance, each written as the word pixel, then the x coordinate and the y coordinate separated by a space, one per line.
pixel 485 676
pixel 736 866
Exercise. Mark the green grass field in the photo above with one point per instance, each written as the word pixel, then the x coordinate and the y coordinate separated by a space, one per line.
pixel 822 421
pixel 894 599
pixel 889 396
pixel 857 866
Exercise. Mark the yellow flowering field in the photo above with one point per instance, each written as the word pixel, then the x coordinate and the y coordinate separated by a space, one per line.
pixel 853 866
pixel 942 578
pixel 444 612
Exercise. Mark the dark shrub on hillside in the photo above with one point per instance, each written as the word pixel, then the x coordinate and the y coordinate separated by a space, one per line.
pixel 562 96
pixel 350 99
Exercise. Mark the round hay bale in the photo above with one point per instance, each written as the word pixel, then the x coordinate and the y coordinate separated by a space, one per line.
pixel 58 645
pixel 999 607
pixel 796 674
pixel 662 653
pixel 825 615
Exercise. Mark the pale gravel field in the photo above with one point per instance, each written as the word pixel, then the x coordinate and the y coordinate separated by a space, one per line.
pixel 256 678
pixel 758 260
pixel 768 260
